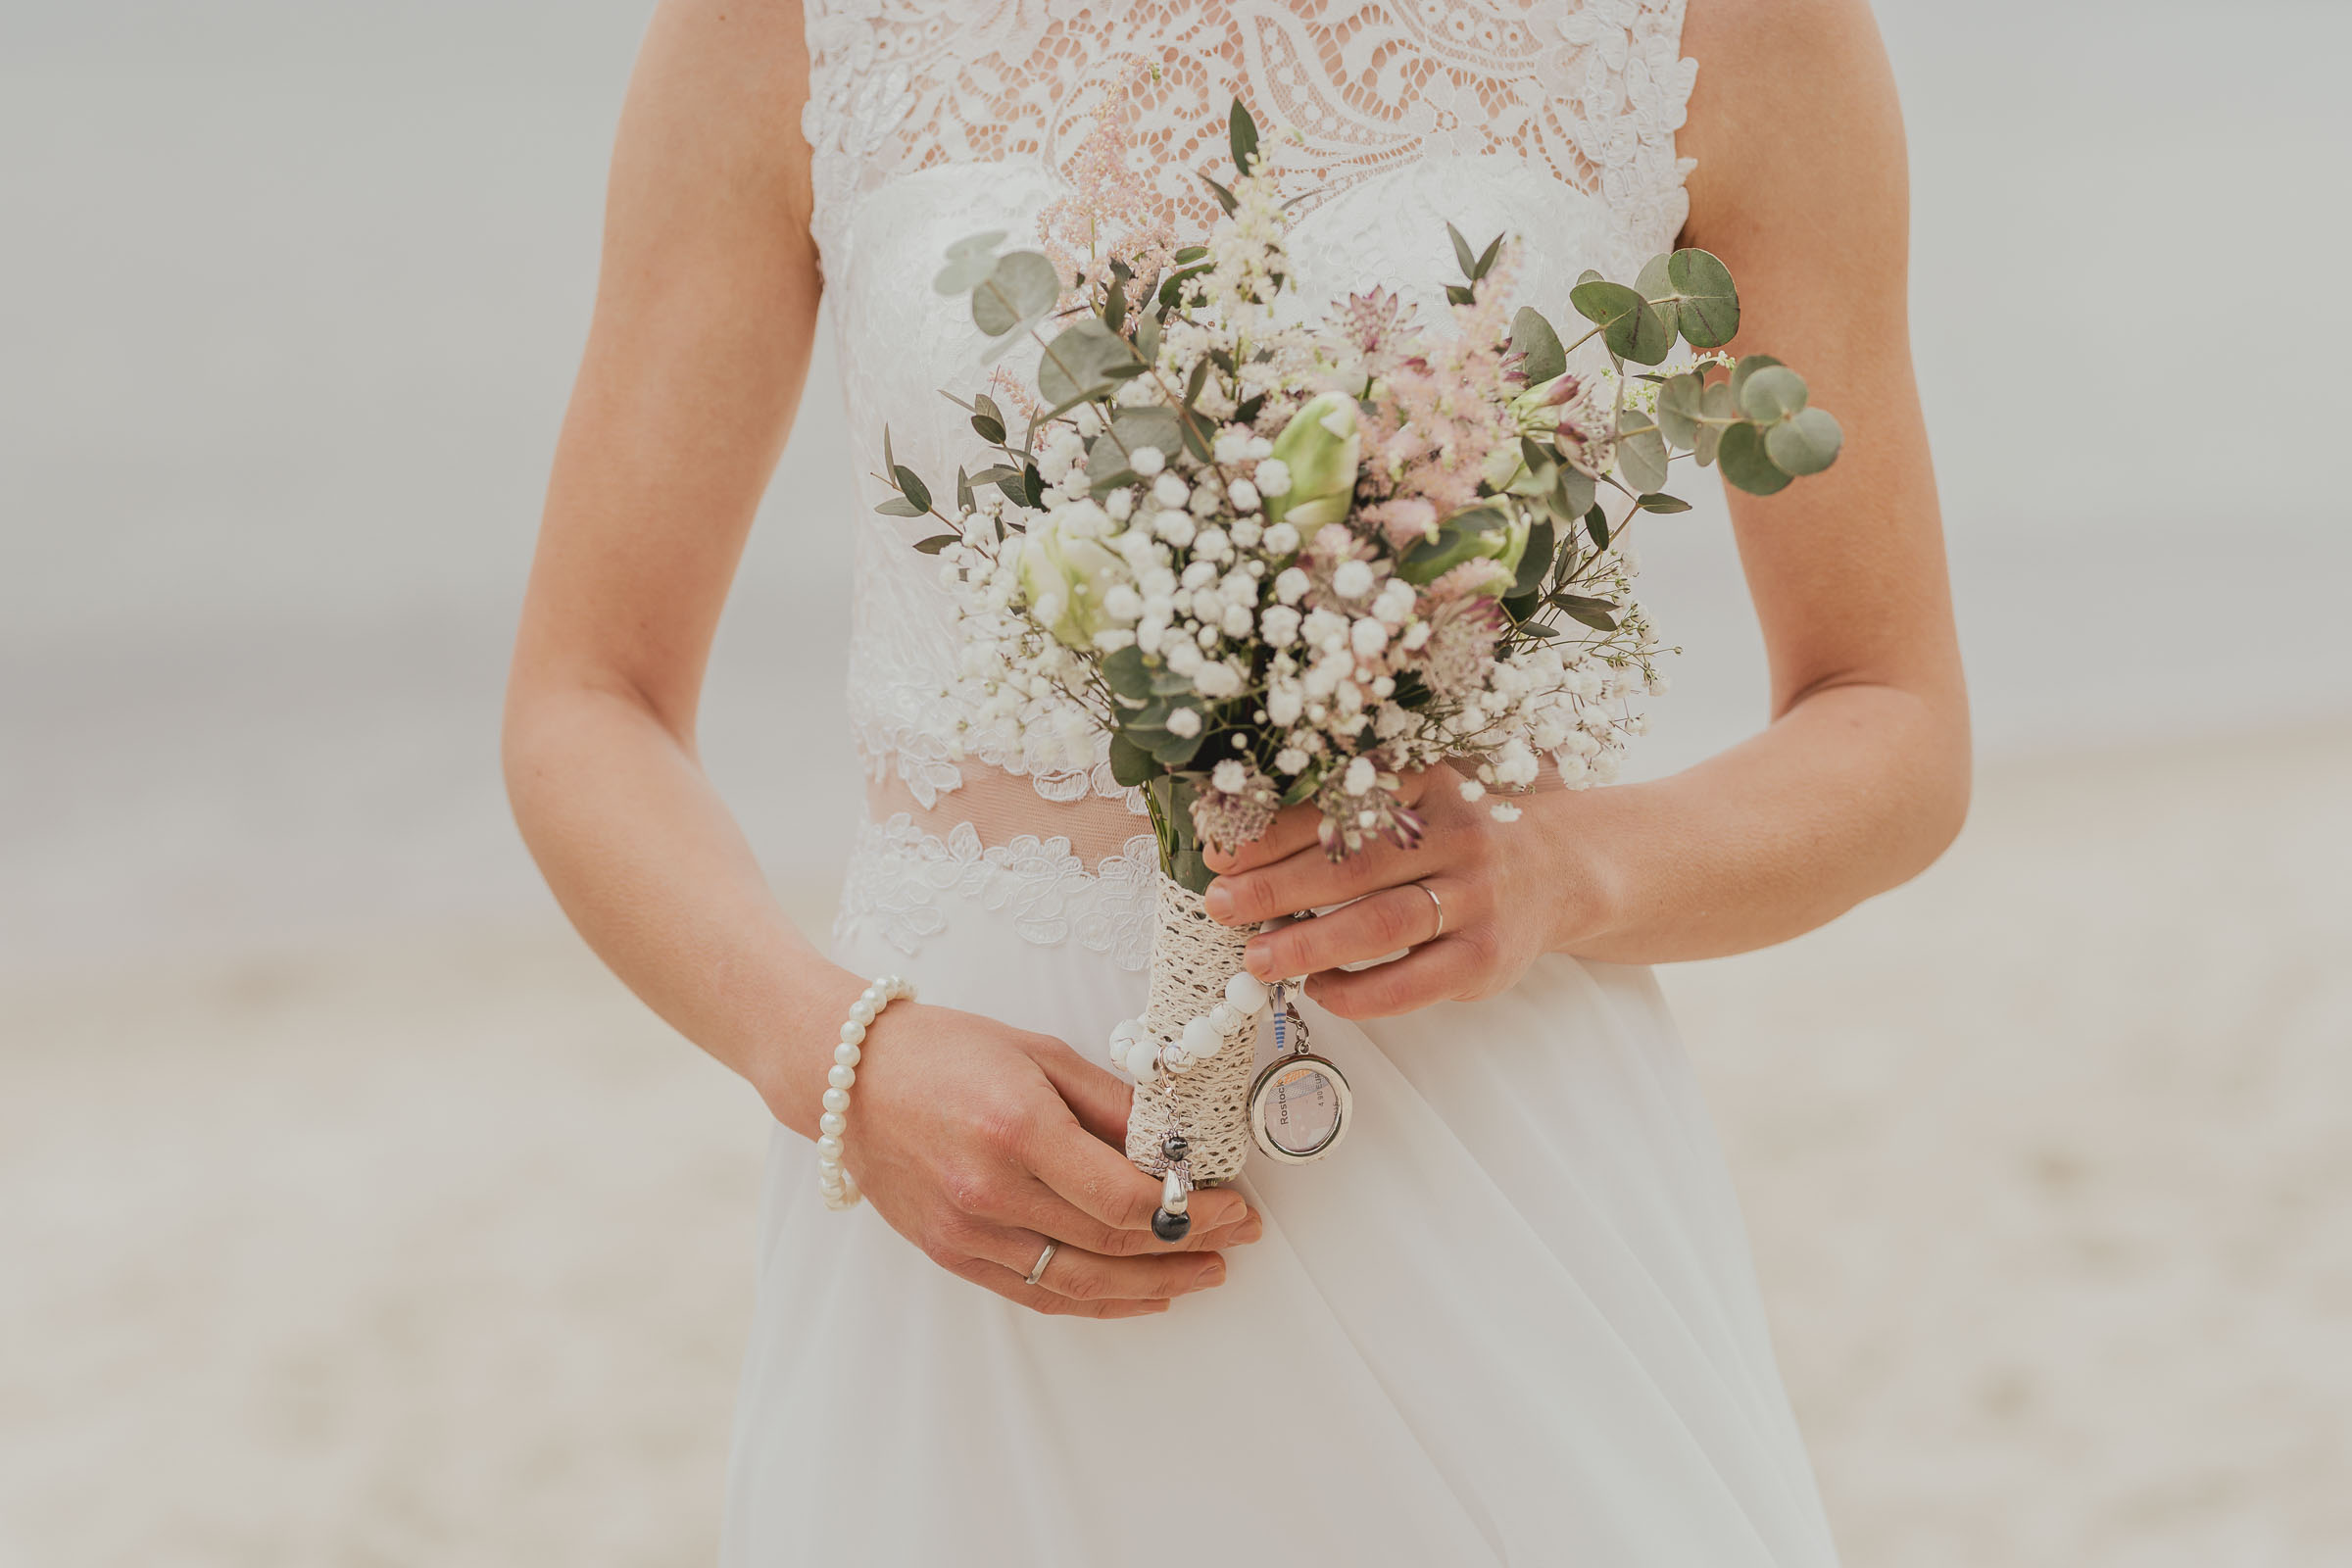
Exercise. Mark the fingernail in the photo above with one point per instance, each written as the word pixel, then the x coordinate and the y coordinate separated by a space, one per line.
pixel 1212 1272
pixel 1251 1229
pixel 1217 902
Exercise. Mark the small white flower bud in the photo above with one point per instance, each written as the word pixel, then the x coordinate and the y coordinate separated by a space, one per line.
pixel 1291 760
pixel 1171 491
pixel 1185 722
pixel 1243 495
pixel 1273 478
pixel 1292 585
pixel 1352 579
pixel 1146 461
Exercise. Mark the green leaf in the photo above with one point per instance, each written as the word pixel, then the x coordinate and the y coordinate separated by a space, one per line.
pixel 1745 463
pixel 1022 287
pixel 1746 365
pixel 1533 338
pixel 1805 444
pixel 900 507
pixel 963 491
pixel 1598 614
pixel 1706 304
pixel 1131 764
pixel 1190 867
pixel 1146 338
pixel 1244 136
pixel 1653 286
pixel 1457 294
pixel 1597 525
pixel 1717 405
pixel 1641 455
pixel 969 262
pixel 917 493
pixel 1630 329
pixel 1571 494
pixel 1681 401
pixel 1173 750
pixel 989 430
pixel 1772 393
pixel 936 543
pixel 1485 259
pixel 1653 502
pixel 1151 425
pixel 1078 365
pixel 1536 561
pixel 1187 254
pixel 1223 195
pixel 1114 306
pixel 1126 674
pixel 1462 253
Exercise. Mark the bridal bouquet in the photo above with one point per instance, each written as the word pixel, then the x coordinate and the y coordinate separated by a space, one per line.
pixel 1284 556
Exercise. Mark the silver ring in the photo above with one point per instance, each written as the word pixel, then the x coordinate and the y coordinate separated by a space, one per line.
pixel 1043 1258
pixel 1440 905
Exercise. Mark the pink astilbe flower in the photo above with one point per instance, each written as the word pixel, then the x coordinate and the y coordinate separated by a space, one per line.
pixel 1111 212
pixel 1443 410
pixel 1228 818
pixel 1461 650
pixel 1404 521
pixel 1352 817
pixel 1378 325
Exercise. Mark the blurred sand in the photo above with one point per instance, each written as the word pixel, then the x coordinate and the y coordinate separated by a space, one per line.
pixel 440 1253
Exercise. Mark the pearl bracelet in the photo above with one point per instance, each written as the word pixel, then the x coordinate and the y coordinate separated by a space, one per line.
pixel 839 1187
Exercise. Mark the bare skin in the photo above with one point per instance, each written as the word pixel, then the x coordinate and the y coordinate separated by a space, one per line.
pixel 978 1141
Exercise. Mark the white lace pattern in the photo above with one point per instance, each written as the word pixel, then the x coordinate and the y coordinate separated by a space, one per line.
pixel 901 879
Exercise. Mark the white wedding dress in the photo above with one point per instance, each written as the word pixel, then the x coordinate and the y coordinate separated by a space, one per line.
pixel 1513 1318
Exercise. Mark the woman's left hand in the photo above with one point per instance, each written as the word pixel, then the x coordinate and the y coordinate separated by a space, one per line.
pixel 1507 891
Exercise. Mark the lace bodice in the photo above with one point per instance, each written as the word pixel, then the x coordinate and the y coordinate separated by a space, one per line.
pixel 932 120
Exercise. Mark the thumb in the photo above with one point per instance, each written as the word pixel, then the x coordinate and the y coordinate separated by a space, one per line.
pixel 1097 1098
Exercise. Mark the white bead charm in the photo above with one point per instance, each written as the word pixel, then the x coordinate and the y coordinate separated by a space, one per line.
pixel 1246 994
pixel 834 1183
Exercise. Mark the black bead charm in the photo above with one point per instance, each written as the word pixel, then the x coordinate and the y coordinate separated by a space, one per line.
pixel 1170 1227
pixel 1175 1148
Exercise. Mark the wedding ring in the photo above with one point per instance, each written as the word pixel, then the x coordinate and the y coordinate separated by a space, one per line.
pixel 1043 1258
pixel 1441 907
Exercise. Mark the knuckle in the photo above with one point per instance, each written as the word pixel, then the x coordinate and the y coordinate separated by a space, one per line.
pixel 971 1189
pixel 1389 922
pixel 1002 1128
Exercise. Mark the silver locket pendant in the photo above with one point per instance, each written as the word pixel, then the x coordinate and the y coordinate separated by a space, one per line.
pixel 1300 1102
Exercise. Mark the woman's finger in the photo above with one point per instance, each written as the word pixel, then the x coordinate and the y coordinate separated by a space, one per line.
pixel 1293 830
pixel 1309 880
pixel 1372 927
pixel 1096 1096
pixel 1442 970
pixel 1078 1275
pixel 1040 1209
pixel 1099 1182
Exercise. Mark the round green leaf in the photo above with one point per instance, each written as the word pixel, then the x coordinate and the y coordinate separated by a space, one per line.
pixel 1706 304
pixel 1681 401
pixel 1630 329
pixel 1022 286
pixel 1641 455
pixel 1772 393
pixel 1079 363
pixel 1718 407
pixel 1805 444
pixel 1746 365
pixel 1538 346
pixel 1744 463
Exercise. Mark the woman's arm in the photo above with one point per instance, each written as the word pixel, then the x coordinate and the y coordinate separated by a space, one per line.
pixel 974 1138
pixel 1862 777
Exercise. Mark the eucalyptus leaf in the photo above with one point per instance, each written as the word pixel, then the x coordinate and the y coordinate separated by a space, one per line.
pixel 917 493
pixel 1079 363
pixel 1126 674
pixel 1597 527
pixel 1706 304
pixel 1747 366
pixel 1223 194
pixel 1630 329
pixel 989 430
pixel 1653 286
pixel 1147 338
pixel 1535 560
pixel 900 507
pixel 1173 750
pixel 1598 614
pixel 1242 134
pixel 1462 253
pixel 1805 444
pixel 1745 463
pixel 1020 287
pixel 1485 259
pixel 1641 455
pixel 1681 401
pixel 969 260
pixel 1772 393
pixel 1653 502
pixel 1151 425
pixel 1571 494
pixel 936 543
pixel 1720 410
pixel 963 491
pixel 1538 346
pixel 1131 764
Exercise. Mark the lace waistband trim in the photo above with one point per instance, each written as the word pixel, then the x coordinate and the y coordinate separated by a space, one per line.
pixel 903 881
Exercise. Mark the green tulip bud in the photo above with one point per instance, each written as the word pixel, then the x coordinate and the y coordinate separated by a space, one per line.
pixel 1322 446
pixel 1070 576
pixel 1480 533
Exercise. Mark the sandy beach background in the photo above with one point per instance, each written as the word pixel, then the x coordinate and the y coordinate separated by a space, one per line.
pixel 349 1216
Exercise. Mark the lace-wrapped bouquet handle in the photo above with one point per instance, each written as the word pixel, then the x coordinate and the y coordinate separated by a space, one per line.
pixel 1285 557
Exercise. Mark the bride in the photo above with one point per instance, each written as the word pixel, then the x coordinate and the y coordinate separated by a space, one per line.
pixel 1513 1319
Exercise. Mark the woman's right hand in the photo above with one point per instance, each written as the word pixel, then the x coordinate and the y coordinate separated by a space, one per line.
pixel 980 1143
